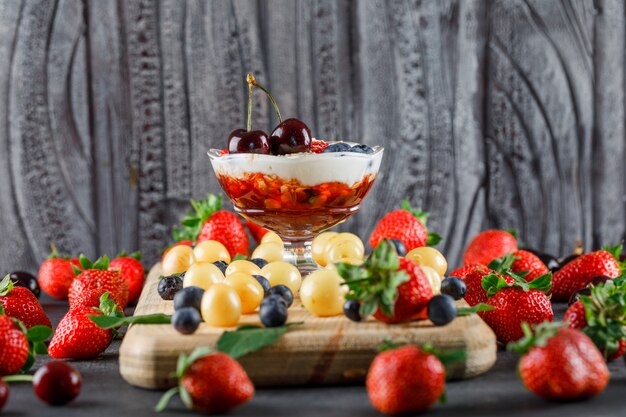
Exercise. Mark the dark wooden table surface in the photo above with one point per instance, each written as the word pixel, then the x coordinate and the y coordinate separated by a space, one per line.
pixel 496 393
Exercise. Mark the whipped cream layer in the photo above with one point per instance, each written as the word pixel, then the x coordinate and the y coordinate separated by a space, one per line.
pixel 308 168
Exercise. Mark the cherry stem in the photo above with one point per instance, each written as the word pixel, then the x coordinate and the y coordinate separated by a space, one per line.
pixel 252 82
pixel 249 126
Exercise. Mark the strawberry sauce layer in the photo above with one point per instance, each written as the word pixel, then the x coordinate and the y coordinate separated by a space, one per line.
pixel 290 206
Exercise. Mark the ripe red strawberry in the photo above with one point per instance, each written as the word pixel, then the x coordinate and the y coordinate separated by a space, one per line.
pixel 560 363
pixel 318 146
pixel 394 289
pixel 209 222
pixel 182 242
pixel 407 225
pixel 606 309
pixel 131 269
pixel 94 281
pixel 214 383
pixel 489 245
pixel 20 303
pixel 13 347
pixel 78 337
pixel 256 231
pixel 56 275
pixel 516 303
pixel 463 271
pixel 405 380
pixel 528 262
pixel 575 275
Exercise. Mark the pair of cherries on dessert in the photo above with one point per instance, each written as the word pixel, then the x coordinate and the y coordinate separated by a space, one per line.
pixel 290 136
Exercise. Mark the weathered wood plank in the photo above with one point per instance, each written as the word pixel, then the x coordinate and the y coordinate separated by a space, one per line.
pixel 493 114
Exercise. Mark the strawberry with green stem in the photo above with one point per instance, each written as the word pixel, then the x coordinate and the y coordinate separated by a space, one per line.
pixel 602 316
pixel 20 303
pixel 408 379
pixel 516 302
pixel 521 262
pixel 56 274
pixel 208 221
pixel 93 281
pixel 560 363
pixel 575 274
pixel 489 245
pixel 131 269
pixel 407 225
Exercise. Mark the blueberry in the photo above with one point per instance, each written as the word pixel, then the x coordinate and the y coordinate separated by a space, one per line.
pixel 169 286
pixel 188 297
pixel 441 309
pixel 361 149
pixel 337 147
pixel 284 292
pixel 400 248
pixel 186 320
pixel 259 262
pixel 26 280
pixel 273 313
pixel 221 265
pixel 274 299
pixel 351 310
pixel 454 287
pixel 265 283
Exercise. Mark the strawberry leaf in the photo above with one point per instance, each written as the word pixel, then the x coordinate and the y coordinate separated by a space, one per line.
pixel 542 283
pixel 493 283
pixel 166 398
pixel 388 344
pixel 446 357
pixel 248 339
pixel 85 263
pixel 538 336
pixel 239 257
pixel 38 334
pixel 433 238
pixel 502 264
pixel 6 285
pixel 194 220
pixel 113 322
pixel 512 232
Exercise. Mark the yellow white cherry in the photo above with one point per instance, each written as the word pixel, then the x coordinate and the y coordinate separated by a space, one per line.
pixel 221 306
pixel 249 290
pixel 270 251
pixel 318 247
pixel 434 279
pixel 322 293
pixel 178 259
pixel 283 273
pixel 431 257
pixel 203 275
pixel 241 265
pixel 271 237
pixel 351 261
pixel 211 251
pixel 347 236
pixel 343 248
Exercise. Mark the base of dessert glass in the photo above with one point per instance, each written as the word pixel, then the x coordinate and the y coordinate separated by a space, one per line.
pixel 298 253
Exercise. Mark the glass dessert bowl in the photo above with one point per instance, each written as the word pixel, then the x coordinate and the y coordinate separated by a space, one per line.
pixel 297 195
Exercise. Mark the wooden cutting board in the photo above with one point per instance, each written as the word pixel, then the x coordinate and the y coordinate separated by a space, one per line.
pixel 331 350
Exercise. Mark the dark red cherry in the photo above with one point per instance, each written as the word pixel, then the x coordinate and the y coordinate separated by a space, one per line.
pixel 4 393
pixel 26 280
pixel 243 141
pixel 57 383
pixel 290 136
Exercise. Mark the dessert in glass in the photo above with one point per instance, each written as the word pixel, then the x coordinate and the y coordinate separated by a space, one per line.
pixel 293 184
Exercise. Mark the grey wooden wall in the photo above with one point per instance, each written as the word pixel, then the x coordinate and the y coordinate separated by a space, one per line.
pixel 506 113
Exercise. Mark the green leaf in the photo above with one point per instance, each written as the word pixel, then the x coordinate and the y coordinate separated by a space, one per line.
pixel 185 397
pixel 433 239
pixel 422 216
pixel 542 283
pixel 102 263
pixel 77 270
pixel 538 336
pixel 446 356
pixel 165 399
pixel 466 311
pixel 247 339
pixel 492 283
pixel 38 333
pixel 388 344
pixel 6 285
pixel 30 361
pixel 111 322
pixel 240 257
pixel 40 348
pixel 512 232
pixel 502 264
pixel 85 263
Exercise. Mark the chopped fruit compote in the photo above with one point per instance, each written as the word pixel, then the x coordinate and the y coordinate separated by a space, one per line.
pixel 297 195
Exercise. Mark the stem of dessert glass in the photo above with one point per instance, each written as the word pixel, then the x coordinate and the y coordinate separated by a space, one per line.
pixel 298 252
pixel 249 106
pixel 252 81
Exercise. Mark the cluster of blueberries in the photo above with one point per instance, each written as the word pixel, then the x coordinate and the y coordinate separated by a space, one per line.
pixel 187 301
pixel 345 147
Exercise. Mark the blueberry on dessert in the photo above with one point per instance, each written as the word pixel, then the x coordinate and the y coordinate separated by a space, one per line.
pixel 337 147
